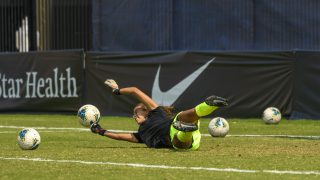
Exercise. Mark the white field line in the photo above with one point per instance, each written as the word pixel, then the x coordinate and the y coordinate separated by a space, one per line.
pixel 112 130
pixel 58 128
pixel 271 135
pixel 50 128
pixel 136 165
pixel 5 132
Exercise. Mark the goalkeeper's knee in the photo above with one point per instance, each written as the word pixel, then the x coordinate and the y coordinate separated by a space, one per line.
pixel 184 126
pixel 182 140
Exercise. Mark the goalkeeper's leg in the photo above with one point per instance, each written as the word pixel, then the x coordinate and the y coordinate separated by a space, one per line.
pixel 186 122
pixel 209 105
pixel 203 109
pixel 187 137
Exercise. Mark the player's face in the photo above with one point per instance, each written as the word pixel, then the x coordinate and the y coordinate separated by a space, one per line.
pixel 141 110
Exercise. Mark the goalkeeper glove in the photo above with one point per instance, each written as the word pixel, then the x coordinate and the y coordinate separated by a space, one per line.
pixel 97 129
pixel 113 85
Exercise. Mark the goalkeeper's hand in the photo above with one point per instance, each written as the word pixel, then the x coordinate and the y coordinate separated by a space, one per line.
pixel 97 129
pixel 113 85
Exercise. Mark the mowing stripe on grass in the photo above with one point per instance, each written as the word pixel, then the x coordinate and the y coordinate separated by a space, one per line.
pixel 163 166
pixel 124 131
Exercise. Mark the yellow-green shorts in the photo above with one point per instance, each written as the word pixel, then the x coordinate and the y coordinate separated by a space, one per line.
pixel 195 135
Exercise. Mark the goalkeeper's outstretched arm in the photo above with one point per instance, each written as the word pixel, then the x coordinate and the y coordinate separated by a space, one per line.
pixel 97 129
pixel 136 92
pixel 121 136
pixel 141 96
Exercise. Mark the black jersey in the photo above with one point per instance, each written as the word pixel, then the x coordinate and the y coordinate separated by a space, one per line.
pixel 155 130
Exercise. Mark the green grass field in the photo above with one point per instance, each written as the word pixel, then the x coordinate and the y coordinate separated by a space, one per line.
pixel 289 150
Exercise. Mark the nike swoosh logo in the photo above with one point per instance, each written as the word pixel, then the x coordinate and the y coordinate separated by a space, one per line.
pixel 169 97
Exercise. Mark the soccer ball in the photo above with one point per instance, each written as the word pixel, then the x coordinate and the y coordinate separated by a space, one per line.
pixel 88 113
pixel 218 127
pixel 28 138
pixel 271 115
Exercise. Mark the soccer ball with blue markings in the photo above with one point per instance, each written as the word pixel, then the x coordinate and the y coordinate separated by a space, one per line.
pixel 218 127
pixel 28 139
pixel 271 115
pixel 87 114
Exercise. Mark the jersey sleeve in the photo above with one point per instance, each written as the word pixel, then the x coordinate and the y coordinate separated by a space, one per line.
pixel 137 135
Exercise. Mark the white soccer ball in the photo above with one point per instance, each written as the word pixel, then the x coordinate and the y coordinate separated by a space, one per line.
pixel 28 138
pixel 271 115
pixel 88 113
pixel 218 127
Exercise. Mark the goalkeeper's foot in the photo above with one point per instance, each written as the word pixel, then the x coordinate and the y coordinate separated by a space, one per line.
pixel 216 101
pixel 185 127
pixel 97 129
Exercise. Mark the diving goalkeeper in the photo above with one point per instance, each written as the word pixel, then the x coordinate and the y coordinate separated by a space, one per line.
pixel 158 126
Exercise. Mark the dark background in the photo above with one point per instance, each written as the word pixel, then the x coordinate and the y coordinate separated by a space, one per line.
pixel 266 51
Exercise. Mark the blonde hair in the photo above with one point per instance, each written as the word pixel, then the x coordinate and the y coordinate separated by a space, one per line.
pixel 169 110
pixel 139 105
